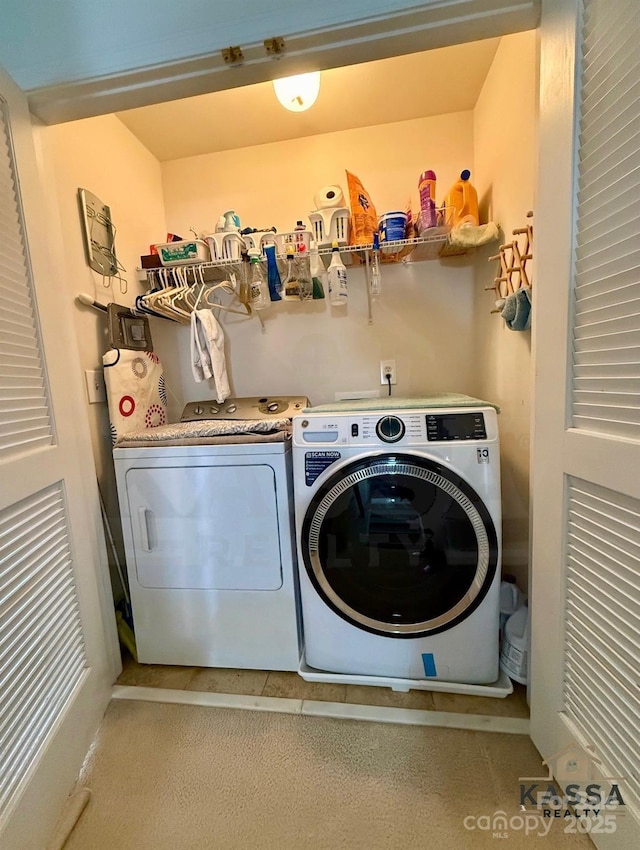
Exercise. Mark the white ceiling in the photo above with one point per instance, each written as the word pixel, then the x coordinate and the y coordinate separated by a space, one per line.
pixel 434 82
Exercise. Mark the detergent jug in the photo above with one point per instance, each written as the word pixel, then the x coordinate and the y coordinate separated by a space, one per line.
pixel 461 202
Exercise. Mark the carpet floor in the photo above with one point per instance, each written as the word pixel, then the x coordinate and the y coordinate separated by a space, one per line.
pixel 180 777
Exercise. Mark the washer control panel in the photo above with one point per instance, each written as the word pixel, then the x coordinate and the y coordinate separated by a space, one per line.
pixel 399 428
pixel 456 426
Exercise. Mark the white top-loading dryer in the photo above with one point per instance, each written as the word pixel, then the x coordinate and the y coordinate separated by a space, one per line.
pixel 208 534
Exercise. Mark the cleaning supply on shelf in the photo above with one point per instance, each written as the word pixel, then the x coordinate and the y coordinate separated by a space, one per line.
pixel 274 281
pixel 259 296
pixel 291 287
pixel 364 219
pixel 303 273
pixel 514 655
pixel 392 226
pixel 318 273
pixel 375 282
pixel 461 202
pixel 337 276
pixel 231 221
pixel 427 190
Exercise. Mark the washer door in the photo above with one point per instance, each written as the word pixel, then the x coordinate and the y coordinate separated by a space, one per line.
pixel 400 546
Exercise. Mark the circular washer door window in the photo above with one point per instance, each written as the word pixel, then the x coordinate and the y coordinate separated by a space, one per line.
pixel 399 546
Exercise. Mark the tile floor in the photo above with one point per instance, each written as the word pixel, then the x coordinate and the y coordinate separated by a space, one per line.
pixel 279 684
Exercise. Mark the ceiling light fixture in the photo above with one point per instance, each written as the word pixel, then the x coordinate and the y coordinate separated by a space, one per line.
pixel 298 93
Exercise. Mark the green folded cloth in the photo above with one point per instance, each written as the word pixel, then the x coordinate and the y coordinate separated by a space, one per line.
pixel 391 403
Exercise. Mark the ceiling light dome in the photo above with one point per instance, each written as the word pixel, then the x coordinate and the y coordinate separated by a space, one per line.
pixel 298 93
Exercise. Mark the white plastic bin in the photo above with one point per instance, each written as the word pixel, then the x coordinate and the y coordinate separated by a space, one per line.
pixel 225 245
pixel 329 226
pixel 295 238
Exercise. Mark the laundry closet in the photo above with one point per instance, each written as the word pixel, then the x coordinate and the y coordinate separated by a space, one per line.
pixel 433 317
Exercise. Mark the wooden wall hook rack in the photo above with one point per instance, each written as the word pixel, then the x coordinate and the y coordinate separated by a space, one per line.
pixel 512 273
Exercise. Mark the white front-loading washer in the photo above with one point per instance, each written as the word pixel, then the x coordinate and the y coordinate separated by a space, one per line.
pixel 209 539
pixel 398 526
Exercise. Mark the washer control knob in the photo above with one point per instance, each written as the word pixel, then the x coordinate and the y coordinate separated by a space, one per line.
pixel 390 429
pixel 214 409
pixel 198 410
pixel 232 408
pixel 273 407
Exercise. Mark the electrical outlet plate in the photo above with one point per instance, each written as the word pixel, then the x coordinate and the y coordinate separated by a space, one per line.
pixel 96 390
pixel 388 367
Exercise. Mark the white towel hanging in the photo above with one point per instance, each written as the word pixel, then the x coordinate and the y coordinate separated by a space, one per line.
pixel 207 352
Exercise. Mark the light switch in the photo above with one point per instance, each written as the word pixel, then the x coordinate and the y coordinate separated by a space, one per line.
pixel 96 390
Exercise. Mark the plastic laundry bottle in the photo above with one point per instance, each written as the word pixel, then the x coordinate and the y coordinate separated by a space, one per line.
pixel 427 190
pixel 259 294
pixel 514 655
pixel 337 275
pixel 461 202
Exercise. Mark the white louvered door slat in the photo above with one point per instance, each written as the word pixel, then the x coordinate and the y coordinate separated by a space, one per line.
pixel 57 638
pixel 19 337
pixel 585 594
pixel 607 257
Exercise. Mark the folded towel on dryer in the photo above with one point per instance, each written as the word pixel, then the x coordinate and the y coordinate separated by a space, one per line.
pixel 207 352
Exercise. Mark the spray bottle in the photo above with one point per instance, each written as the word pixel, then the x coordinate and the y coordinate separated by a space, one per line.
pixel 375 283
pixel 259 289
pixel 337 274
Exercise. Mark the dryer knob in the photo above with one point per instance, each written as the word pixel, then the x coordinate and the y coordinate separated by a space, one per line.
pixel 198 410
pixel 390 429
pixel 214 409
pixel 232 408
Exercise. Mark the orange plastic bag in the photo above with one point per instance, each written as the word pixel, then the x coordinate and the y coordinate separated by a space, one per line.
pixel 364 219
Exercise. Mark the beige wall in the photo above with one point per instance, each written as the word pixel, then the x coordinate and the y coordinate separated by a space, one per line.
pixel 424 318
pixel 100 155
pixel 505 156
pixel 432 318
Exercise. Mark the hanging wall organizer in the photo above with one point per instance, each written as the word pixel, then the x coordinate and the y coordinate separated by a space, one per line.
pixel 100 238
pixel 513 283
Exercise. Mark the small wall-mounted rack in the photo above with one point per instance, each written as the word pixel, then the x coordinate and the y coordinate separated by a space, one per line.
pixel 512 272
pixel 100 238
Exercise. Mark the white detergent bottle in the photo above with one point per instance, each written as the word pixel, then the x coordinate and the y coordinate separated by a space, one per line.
pixel 514 656
pixel 337 276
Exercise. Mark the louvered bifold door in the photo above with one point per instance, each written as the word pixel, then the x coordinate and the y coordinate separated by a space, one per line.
pixel 56 667
pixel 602 664
pixel 25 421
pixel 42 655
pixel 606 344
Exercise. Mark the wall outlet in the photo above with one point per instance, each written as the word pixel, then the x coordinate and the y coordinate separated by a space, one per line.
pixel 96 390
pixel 388 367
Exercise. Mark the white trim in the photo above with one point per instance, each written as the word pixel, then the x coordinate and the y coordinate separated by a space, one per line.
pixel 337 710
pixel 400 32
